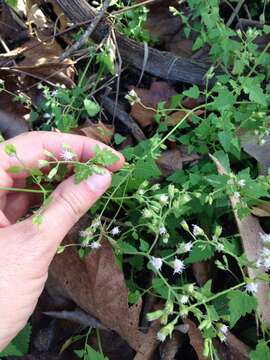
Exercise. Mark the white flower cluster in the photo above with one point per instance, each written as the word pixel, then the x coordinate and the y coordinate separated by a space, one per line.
pixel 88 233
pixel 178 265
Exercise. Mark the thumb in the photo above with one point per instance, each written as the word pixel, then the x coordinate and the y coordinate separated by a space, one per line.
pixel 69 203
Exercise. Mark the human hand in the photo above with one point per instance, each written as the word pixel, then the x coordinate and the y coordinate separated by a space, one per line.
pixel 26 249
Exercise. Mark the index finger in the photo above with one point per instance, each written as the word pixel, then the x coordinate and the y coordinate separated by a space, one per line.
pixel 30 149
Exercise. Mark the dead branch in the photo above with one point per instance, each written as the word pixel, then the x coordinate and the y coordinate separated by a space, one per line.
pixel 161 64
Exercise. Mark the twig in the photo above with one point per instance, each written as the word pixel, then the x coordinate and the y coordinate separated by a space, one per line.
pixel 77 45
pixel 235 12
pixel 111 107
pixel 128 8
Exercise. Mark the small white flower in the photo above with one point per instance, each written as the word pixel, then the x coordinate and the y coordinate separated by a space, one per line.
pixel 67 155
pixel 162 230
pixel 156 262
pixel 163 199
pixel 242 183
pixel 224 329
pixel 161 337
pixel 178 266
pixel 132 97
pixel 84 233
pixel 95 245
pixel 147 213
pixel 115 231
pixel 63 86
pixel 188 246
pixel 184 299
pixel 220 247
pixel 262 142
pixel 197 231
pixel 54 93
pixel 46 116
pixel 266 263
pixel 230 182
pixel 96 223
pixel 265 237
pixel 237 195
pixel 252 287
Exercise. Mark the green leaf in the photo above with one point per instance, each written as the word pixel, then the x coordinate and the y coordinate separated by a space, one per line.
pixel 193 92
pixel 105 156
pixel 224 100
pixel 82 172
pixel 146 169
pixel 91 107
pixel 118 139
pixel 126 247
pixel 19 346
pixel 200 252
pixel 240 304
pixel 15 169
pixel 10 150
pixel 262 352
pixel 94 355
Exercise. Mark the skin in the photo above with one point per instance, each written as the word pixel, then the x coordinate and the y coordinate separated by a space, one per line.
pixel 26 249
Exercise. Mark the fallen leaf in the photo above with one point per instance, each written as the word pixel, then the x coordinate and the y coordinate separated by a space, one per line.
pixel 202 271
pixel 168 25
pixel 171 346
pixel 173 160
pixel 180 46
pixel 261 210
pixel 41 60
pixel 99 131
pixel 159 91
pixel 259 152
pixel 250 230
pixel 196 339
pixel 97 286
pixel 232 348
pixel 177 116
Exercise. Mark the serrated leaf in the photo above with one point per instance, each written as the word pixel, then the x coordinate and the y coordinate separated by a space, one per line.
pixel 200 252
pixel 94 355
pixel 193 92
pixel 19 346
pixel 240 304
pixel 105 157
pixel 82 172
pixel 262 352
pixel 146 169
pixel 91 107
pixel 126 247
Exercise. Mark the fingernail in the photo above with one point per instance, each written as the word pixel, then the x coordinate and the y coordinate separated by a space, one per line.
pixel 99 183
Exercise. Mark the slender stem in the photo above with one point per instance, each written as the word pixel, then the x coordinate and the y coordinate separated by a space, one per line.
pixel 6 188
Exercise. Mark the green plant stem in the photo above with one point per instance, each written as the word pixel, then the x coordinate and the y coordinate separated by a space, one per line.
pixel 6 188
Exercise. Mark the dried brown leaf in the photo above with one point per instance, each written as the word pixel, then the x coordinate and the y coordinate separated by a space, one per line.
pixel 97 286
pixel 173 160
pixel 99 131
pixel 196 339
pixel 159 91
pixel 250 230
pixel 202 271
pixel 177 116
pixel 261 210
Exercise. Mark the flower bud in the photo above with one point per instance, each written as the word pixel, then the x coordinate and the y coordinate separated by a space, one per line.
pixel 154 315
